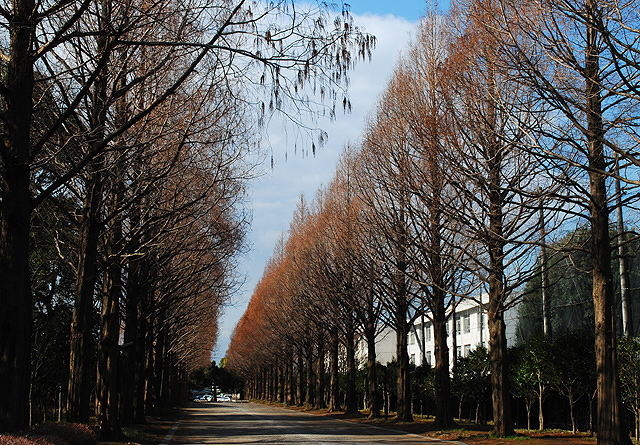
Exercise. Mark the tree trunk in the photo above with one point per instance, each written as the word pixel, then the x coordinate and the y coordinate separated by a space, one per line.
pixel 134 291
pixel 334 392
pixel 292 382
pixel 572 414
pixel 372 379
pixel 15 224
pixel 442 381
pixel 300 395
pixel 82 348
pixel 403 381
pixel 320 402
pixel 591 399
pixel 385 393
pixel 262 389
pixel 149 367
pixel 309 393
pixel 494 241
pixel 81 345
pixel 271 384
pixel 256 387
pixel 159 363
pixel 140 347
pixel 611 428
pixel 107 390
pixel 291 400
pixel 283 383
pixel 288 383
pixel 503 425
pixel 277 382
pixel 351 403
pixel 128 348
pixel 540 403
pixel 15 300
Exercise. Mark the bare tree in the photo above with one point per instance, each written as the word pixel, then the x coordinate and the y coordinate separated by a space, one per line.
pixel 496 178
pixel 558 50
pixel 436 248
pixel 384 188
pixel 69 47
pixel 350 240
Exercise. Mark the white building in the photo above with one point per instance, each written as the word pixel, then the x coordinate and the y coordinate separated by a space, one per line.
pixel 470 328
pixel 385 347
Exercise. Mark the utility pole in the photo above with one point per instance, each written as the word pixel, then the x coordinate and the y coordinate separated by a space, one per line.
pixel 623 261
pixel 544 275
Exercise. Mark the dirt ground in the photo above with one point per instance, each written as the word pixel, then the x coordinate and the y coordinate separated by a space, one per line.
pixel 469 433
pixel 476 436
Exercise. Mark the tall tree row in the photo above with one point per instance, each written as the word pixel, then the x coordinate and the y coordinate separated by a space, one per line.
pixel 506 126
pixel 125 131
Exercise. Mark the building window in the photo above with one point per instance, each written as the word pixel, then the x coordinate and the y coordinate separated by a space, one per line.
pixel 428 357
pixel 427 332
pixel 412 339
pixel 458 325
pixel 459 351
pixel 412 359
pixel 466 321
pixel 467 350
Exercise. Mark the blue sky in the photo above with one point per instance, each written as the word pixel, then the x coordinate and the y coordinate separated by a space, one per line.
pixel 272 197
pixel 408 9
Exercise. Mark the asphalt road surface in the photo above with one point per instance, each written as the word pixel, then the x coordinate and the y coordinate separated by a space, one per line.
pixel 232 423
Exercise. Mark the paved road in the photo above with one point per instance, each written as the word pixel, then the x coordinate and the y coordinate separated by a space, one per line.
pixel 250 423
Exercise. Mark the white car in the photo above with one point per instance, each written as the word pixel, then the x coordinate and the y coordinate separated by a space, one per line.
pixel 205 398
pixel 224 398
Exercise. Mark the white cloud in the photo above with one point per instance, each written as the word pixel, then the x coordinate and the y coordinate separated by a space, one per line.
pixel 274 195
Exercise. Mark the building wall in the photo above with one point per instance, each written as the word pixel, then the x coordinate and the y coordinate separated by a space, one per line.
pixel 385 348
pixel 470 326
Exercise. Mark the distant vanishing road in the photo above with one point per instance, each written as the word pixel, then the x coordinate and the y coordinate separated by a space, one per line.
pixel 233 423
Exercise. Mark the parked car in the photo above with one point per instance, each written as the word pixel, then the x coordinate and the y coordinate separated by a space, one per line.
pixel 205 398
pixel 224 398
